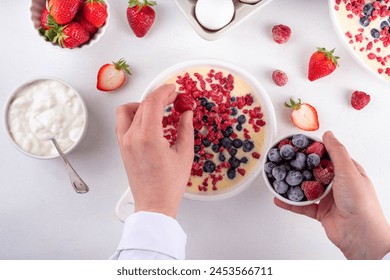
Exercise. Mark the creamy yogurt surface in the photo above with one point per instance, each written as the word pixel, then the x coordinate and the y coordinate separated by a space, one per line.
pixel 365 25
pixel 43 110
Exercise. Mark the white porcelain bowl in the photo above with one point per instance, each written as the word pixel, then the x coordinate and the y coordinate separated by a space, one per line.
pixel 266 106
pixel 36 10
pixel 277 195
pixel 7 125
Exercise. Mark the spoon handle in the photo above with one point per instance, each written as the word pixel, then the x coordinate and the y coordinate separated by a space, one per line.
pixel 77 183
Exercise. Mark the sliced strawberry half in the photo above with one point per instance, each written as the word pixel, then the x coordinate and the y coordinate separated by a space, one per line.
pixel 304 116
pixel 112 76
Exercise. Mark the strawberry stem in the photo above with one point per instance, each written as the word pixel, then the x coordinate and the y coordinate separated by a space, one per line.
pixel 330 55
pixel 135 3
pixel 293 105
pixel 122 65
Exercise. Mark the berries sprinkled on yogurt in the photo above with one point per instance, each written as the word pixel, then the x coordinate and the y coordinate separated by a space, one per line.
pixel 299 168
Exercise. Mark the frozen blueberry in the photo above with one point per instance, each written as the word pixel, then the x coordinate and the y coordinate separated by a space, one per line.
pixel 196 148
pixel 237 143
pixel 215 148
pixel 233 152
pixel 234 162
pixel 209 166
pixel 244 160
pixel 205 118
pixel 206 142
pixel 215 127
pixel 269 166
pixel 280 187
pixel 196 158
pixel 299 162
pixel 221 157
pixel 231 173
pixel 368 9
pixel 287 152
pixel 168 109
pixel 241 119
pixel 294 178
pixel 307 176
pixel 279 172
pixel 384 24
pixel 233 98
pixel 195 133
pixel 228 131
pixel 274 155
pixel 226 143
pixel 210 105
pixel 247 146
pixel 295 193
pixel 234 112
pixel 203 101
pixel 364 21
pixel 375 33
pixel 239 127
pixel 313 160
pixel 287 166
pixel 300 141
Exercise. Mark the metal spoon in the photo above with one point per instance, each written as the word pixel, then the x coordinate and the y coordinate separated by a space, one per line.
pixel 77 183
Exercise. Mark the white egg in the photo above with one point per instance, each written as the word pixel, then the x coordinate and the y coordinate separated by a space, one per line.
pixel 249 1
pixel 214 14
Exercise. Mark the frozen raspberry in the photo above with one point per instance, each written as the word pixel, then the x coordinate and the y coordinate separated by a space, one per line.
pixel 280 78
pixel 316 148
pixel 359 100
pixel 184 102
pixel 281 33
pixel 324 173
pixel 312 189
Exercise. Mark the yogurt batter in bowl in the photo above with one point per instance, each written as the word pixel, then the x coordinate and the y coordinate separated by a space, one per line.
pixel 234 122
pixel 43 109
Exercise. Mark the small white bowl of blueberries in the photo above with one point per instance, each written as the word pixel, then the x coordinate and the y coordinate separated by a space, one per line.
pixel 297 170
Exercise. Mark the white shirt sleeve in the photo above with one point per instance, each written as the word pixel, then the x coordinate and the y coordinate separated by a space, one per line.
pixel 387 257
pixel 149 235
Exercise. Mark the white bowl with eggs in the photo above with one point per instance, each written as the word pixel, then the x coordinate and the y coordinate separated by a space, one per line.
pixel 217 17
pixel 42 109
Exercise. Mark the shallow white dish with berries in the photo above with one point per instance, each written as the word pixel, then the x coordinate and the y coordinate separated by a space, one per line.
pixel 358 39
pixel 285 198
pixel 269 128
pixel 36 10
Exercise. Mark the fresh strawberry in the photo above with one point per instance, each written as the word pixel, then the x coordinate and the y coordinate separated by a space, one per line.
pixel 95 11
pixel 112 76
pixel 312 189
pixel 184 102
pixel 304 116
pixel 91 29
pixel 322 63
pixel 140 16
pixel 69 36
pixel 63 11
pixel 324 173
pixel 316 148
pixel 359 100
pixel 44 19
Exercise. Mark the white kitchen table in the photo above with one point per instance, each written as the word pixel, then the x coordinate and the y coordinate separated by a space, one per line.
pixel 41 217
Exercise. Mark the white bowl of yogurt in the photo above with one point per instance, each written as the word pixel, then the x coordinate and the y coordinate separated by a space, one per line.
pixel 42 109
pixel 244 84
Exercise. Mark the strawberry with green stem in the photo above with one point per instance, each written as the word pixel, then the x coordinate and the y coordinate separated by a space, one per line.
pixel 62 11
pixel 304 116
pixel 141 16
pixel 112 76
pixel 322 63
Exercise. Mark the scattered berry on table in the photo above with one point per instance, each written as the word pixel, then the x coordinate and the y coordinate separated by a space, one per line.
pixel 281 33
pixel 322 63
pixel 359 100
pixel 112 76
pixel 141 16
pixel 280 78
pixel 304 116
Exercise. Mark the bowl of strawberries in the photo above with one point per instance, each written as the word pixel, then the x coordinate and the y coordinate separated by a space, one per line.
pixel 70 24
pixel 298 170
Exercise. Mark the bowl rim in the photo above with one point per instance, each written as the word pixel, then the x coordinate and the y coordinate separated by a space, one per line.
pixel 347 46
pixel 30 82
pixel 260 92
pixel 92 41
pixel 278 196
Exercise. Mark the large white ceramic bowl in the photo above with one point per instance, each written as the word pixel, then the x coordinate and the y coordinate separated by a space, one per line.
pixel 277 195
pixel 36 10
pixel 356 54
pixel 7 123
pixel 266 106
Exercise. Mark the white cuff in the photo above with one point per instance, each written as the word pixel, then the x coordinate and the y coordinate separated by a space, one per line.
pixel 154 232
